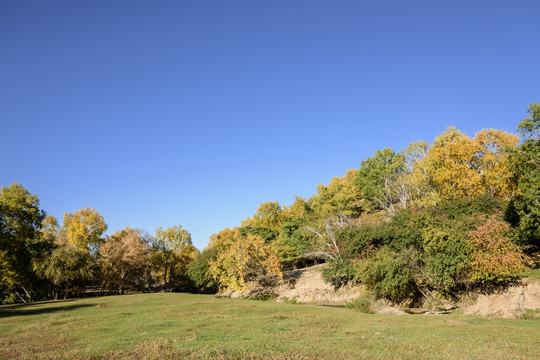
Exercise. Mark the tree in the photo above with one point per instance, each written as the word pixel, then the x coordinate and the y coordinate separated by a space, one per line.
pixel 84 229
pixel 20 243
pixel 340 197
pixel 243 262
pixel 491 162
pixel 377 178
pixel 69 268
pixel 417 175
pixel 266 222
pixel 524 163
pixel 177 250
pixel 125 261
pixel 461 167
pixel 198 270
pixel 269 215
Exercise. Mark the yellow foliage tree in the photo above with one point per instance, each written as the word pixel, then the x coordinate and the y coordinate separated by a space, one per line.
pixel 268 215
pixel 340 197
pixel 125 257
pixel 492 162
pixel 174 244
pixel 460 167
pixel 243 261
pixel 83 229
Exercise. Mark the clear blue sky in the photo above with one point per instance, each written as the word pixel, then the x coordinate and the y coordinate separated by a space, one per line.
pixel 159 113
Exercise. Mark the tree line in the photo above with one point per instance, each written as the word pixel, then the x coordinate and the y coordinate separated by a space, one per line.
pixel 424 224
pixel 39 259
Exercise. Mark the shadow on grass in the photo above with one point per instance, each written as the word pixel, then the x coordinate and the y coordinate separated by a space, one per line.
pixel 28 309
pixel 35 303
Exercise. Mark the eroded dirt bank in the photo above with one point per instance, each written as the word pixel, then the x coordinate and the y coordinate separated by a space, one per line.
pixel 307 286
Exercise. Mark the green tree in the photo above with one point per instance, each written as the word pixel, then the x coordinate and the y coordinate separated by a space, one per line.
pixel 524 209
pixel 20 243
pixel 69 269
pixel 377 175
pixel 198 271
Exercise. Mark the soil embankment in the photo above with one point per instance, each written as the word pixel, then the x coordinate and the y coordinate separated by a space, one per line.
pixel 507 303
pixel 307 286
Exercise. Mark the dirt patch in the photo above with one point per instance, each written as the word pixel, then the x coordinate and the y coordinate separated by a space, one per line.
pixel 307 286
pixel 506 304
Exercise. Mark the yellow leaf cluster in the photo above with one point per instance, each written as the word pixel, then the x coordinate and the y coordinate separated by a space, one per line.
pixel 83 228
pixel 340 197
pixel 457 166
pixel 242 261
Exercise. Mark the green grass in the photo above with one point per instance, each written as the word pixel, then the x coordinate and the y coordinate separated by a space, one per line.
pixel 172 326
pixel 531 274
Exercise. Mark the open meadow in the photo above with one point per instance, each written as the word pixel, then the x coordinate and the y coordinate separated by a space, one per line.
pixel 172 325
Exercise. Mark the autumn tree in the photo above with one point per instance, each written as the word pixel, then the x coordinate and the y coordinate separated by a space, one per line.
pixel 416 176
pixel 269 215
pixel 461 167
pixel 174 245
pixel 125 261
pixel 84 229
pixel 340 197
pixel 494 256
pixel 243 262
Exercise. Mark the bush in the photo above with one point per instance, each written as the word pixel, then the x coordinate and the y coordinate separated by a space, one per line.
pixel 358 239
pixel 339 272
pixel 390 275
pixel 362 305
pixel 494 258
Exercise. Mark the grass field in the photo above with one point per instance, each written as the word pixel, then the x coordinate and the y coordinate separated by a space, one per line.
pixel 532 274
pixel 178 326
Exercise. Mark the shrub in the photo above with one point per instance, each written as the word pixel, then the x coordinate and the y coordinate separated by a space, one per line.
pixel 494 256
pixel 389 275
pixel 358 239
pixel 362 305
pixel 340 272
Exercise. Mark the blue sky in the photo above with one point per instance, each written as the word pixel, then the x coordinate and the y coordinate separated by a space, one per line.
pixel 159 113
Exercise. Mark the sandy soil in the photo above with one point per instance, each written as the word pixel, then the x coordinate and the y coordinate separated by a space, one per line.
pixel 307 286
pixel 506 304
